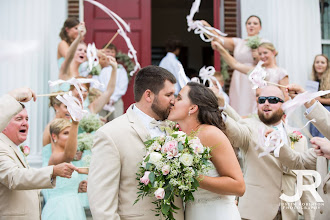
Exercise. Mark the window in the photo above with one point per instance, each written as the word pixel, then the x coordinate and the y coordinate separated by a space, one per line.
pixel 325 26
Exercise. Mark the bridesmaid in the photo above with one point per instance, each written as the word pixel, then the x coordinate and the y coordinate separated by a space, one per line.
pixel 321 74
pixel 240 83
pixel 68 34
pixel 63 201
pixel 267 54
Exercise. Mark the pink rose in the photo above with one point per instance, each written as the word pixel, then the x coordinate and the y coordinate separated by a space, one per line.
pixel 171 149
pixel 145 178
pixel 166 169
pixel 160 193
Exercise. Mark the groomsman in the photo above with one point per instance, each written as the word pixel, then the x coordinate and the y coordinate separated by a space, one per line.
pixel 265 177
pixel 18 182
pixel 313 159
pixel 119 148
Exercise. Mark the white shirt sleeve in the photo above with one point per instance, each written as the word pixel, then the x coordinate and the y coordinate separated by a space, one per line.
pixel 121 84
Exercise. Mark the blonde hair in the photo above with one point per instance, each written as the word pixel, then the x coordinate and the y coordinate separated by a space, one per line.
pixel 325 78
pixel 54 101
pixel 58 125
pixel 269 46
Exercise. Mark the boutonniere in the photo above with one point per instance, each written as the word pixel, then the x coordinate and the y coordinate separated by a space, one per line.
pixel 25 150
pixel 295 136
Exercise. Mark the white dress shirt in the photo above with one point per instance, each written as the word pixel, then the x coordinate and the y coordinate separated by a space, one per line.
pixel 121 81
pixel 146 119
pixel 170 62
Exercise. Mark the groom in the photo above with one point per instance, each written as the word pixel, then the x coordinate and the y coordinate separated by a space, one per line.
pixel 118 149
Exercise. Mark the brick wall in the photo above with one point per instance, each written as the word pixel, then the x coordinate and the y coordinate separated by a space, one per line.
pixel 232 21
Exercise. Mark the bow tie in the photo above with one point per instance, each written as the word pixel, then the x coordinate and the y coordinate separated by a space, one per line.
pixel 158 124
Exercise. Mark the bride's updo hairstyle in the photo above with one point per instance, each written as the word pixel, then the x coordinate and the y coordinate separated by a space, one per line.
pixel 208 108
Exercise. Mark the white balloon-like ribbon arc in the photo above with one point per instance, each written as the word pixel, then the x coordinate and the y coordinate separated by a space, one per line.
pixel 123 27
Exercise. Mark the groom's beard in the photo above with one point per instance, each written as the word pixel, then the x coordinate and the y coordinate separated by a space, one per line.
pixel 162 113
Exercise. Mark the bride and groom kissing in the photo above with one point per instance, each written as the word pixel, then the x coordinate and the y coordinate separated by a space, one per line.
pixel 119 148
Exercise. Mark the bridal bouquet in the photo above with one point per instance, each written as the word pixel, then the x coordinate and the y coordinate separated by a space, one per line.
pixel 171 168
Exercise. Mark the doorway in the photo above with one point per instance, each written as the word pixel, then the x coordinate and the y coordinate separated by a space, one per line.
pixel 168 19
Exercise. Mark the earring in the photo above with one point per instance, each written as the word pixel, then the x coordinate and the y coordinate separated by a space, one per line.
pixel 189 113
pixel 55 141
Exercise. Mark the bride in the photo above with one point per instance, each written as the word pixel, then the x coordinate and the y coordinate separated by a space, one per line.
pixel 196 111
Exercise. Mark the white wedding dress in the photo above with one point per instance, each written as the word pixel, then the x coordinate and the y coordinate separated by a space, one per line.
pixel 209 205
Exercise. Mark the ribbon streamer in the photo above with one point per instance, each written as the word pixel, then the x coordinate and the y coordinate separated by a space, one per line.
pixel 257 76
pixel 272 143
pixel 77 84
pixel 73 105
pixel 199 28
pixel 93 60
pixel 291 105
pixel 121 23
pixel 182 77
pixel 207 75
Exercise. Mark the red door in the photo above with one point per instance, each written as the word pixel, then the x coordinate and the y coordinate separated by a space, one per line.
pixel 100 29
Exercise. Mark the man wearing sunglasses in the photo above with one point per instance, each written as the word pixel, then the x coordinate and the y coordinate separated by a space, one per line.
pixel 317 158
pixel 265 177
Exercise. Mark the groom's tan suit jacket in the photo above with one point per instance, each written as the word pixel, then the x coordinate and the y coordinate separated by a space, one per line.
pixel 19 197
pixel 112 186
pixel 265 178
pixel 309 160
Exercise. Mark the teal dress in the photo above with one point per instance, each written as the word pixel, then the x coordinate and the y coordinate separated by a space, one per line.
pixel 63 202
pixel 83 196
pixel 46 153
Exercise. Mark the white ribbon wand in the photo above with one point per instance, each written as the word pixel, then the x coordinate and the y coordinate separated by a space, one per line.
pixel 92 57
pixel 120 22
pixel 207 75
pixel 199 28
pixel 182 76
pixel 257 77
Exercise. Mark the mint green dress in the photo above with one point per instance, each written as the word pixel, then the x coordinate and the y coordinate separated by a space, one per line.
pixel 63 201
pixel 46 153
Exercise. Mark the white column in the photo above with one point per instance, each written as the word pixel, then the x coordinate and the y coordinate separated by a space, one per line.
pixel 31 22
pixel 294 28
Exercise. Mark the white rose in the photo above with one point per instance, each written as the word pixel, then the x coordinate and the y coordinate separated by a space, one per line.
pixel 181 136
pixel 156 146
pixel 155 157
pixel 186 159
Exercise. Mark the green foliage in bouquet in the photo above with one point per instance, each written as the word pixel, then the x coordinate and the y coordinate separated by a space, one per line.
pixel 85 141
pixel 96 70
pixel 253 42
pixel 170 169
pixel 90 123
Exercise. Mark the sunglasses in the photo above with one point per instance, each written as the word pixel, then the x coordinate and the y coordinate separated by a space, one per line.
pixel 271 99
